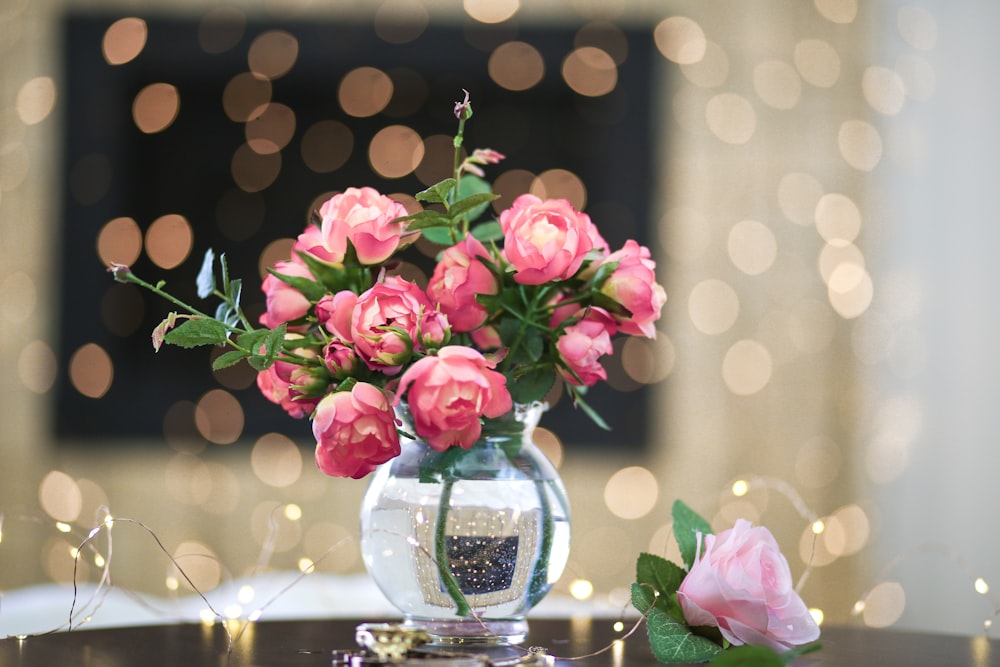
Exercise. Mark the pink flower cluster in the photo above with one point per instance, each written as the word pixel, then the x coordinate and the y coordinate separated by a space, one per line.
pixel 362 341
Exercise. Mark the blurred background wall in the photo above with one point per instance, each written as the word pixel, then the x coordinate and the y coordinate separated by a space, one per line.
pixel 824 213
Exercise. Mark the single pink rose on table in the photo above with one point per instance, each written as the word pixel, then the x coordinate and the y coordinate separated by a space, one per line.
pixel 582 345
pixel 284 302
pixel 545 240
pixel 633 285
pixel 367 219
pixel 740 582
pixel 355 431
pixel 448 392
pixel 458 277
pixel 385 323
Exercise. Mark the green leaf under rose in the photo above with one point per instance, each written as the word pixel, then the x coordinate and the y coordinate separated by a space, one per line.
pixel 671 641
pixel 687 525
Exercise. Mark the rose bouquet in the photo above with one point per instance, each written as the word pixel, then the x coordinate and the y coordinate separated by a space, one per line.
pixel 734 590
pixel 514 304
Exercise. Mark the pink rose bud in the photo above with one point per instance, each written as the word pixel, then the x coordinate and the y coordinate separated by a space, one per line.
pixel 287 385
pixel 448 392
pixel 740 582
pixel 545 240
pixel 366 219
pixel 355 431
pixel 633 285
pixel 339 359
pixel 435 330
pixel 458 277
pixel 582 345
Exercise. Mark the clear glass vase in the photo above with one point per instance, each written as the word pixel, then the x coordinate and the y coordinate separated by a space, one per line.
pixel 465 542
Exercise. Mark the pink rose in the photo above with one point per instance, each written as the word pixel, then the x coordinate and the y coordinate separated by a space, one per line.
pixel 740 583
pixel 355 431
pixel 365 218
pixel 284 302
pixel 633 285
pixel 312 242
pixel 335 312
pixel 449 392
pixel 385 323
pixel 545 240
pixel 288 385
pixel 458 278
pixel 582 345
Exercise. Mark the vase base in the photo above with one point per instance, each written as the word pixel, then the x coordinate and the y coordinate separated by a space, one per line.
pixel 471 631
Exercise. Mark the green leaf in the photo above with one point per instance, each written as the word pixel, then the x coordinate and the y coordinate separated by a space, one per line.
pixel 234 291
pixel 464 208
pixel 438 235
pixel 437 193
pixel 671 640
pixel 658 572
pixel 206 276
pixel 273 342
pixel 472 184
pixel 534 344
pixel 310 289
pixel 532 386
pixel 252 340
pixel 426 219
pixel 228 359
pixel 748 655
pixel 687 525
pixel 488 231
pixel 197 332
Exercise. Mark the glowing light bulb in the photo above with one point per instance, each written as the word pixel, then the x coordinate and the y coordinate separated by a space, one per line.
pixel 172 584
pixel 99 560
pixel 618 626
pixel 207 616
pixel 63 527
pixel 581 589
pixel 859 607
pixel 981 586
pixel 818 526
pixel 306 564
pixel 293 512
pixel 817 615
pixel 246 594
pixel 740 488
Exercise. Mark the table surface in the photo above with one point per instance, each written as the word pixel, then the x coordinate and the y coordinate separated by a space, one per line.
pixel 313 643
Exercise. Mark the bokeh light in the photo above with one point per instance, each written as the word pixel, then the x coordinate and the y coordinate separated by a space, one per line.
pixel 516 66
pixel 124 40
pixel 169 240
pixel 156 107
pixel 272 54
pixel 631 492
pixel 680 39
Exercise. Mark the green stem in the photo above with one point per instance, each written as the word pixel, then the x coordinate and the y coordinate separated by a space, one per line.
pixel 540 575
pixel 132 278
pixel 441 550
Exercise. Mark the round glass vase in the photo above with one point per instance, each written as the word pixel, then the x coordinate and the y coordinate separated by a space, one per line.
pixel 465 542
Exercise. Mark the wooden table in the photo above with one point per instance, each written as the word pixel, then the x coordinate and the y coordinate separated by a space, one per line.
pixel 314 643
